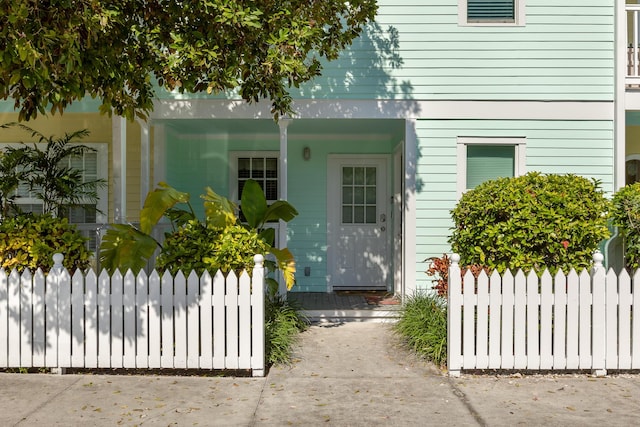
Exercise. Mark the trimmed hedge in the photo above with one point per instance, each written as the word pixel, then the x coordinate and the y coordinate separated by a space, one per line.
pixel 625 213
pixel 531 222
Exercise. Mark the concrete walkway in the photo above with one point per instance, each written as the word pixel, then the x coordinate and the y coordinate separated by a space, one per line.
pixel 352 374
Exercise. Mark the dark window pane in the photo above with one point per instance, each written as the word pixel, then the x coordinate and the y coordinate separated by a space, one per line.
pixel 486 162
pixel 347 215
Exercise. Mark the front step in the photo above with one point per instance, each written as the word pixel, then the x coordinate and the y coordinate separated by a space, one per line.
pixel 339 315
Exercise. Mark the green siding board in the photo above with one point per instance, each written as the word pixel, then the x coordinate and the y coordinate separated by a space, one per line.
pixel 418 57
pixel 469 69
pixel 552 146
pixel 438 59
pixel 502 44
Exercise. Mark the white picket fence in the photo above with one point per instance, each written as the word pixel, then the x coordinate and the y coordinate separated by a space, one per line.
pixel 144 321
pixel 586 321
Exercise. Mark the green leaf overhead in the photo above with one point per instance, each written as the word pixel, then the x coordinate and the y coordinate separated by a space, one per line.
pixel 280 209
pixel 253 203
pixel 126 247
pixel 220 211
pixel 157 203
pixel 55 53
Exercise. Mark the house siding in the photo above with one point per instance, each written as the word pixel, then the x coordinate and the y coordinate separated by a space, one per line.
pixel 555 146
pixel 417 50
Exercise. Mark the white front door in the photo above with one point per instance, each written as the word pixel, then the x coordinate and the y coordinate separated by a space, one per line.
pixel 358 226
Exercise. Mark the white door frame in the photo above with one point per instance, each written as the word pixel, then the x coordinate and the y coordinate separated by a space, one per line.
pixel 332 229
pixel 397 214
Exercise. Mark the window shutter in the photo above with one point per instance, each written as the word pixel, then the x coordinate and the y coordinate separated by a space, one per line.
pixel 486 162
pixel 490 10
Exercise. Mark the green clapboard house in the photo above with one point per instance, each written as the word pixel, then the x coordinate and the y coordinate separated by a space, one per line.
pixel 434 98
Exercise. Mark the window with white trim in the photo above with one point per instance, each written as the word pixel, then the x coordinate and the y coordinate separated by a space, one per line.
pixel 491 12
pixel 481 159
pixel 261 166
pixel 93 165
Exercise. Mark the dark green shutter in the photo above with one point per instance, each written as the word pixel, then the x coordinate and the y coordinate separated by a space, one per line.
pixel 490 10
pixel 486 162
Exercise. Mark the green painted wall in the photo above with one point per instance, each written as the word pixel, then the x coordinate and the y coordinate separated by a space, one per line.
pixel 308 193
pixel 579 147
pixel 417 50
pixel 197 160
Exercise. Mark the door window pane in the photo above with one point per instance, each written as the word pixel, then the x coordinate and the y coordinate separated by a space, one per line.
pixel 359 202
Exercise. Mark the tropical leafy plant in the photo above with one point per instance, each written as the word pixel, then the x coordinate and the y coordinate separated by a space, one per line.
pixel 31 240
pixel 531 222
pixel 221 241
pixel 11 174
pixel 625 214
pixel 48 172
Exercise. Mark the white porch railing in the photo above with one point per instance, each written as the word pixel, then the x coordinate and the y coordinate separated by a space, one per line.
pixel 88 321
pixel 633 47
pixel 586 321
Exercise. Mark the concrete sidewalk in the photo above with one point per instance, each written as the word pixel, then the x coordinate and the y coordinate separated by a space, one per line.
pixel 352 374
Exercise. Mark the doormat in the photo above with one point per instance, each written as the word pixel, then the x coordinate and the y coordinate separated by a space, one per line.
pixel 373 297
pixel 381 300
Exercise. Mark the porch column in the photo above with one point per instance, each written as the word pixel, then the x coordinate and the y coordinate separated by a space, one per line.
pixel 619 162
pixel 145 169
pixel 409 209
pixel 119 165
pixel 282 230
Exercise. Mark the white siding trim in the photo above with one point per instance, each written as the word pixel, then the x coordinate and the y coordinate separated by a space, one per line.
pixel 390 109
pixel 520 144
pixel 119 167
pixel 619 171
pixel 102 149
pixel 159 153
pixel 145 166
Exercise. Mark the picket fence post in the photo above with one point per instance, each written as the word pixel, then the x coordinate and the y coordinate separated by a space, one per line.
pixel 56 271
pixel 598 320
pixel 454 321
pixel 257 329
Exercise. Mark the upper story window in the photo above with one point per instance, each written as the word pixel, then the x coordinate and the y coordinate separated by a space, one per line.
pixel 491 12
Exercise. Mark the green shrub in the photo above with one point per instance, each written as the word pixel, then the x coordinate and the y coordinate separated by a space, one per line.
pixel 283 323
pixel 531 222
pixel 29 241
pixel 198 246
pixel 625 214
pixel 423 324
pixel 220 241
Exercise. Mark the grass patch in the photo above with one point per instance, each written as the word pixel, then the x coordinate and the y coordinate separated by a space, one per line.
pixel 423 325
pixel 283 324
